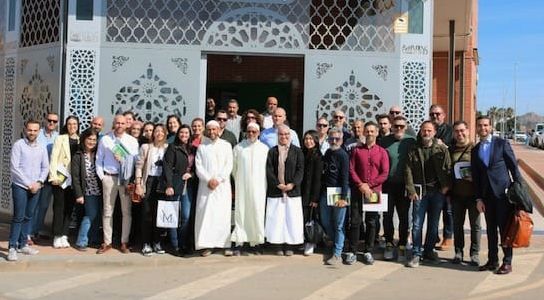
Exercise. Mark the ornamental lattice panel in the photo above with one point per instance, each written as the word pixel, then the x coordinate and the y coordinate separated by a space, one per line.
pixel 82 85
pixel 414 92
pixel 361 25
pixel 150 98
pixel 353 98
pixel 7 129
pixel 36 99
pixel 40 22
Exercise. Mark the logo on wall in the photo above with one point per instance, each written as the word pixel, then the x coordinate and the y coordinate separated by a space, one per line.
pixel 150 98
pixel 353 98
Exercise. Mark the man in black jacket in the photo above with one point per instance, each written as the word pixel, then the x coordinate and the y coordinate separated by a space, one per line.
pixel 493 163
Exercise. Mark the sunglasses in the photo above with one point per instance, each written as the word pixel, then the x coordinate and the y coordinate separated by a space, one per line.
pixel 252 131
pixel 394 112
pixel 399 126
pixel 338 117
pixel 52 121
pixel 221 119
pixel 251 117
pixel 334 139
pixel 322 125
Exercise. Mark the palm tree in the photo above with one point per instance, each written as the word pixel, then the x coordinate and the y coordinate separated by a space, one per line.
pixel 493 114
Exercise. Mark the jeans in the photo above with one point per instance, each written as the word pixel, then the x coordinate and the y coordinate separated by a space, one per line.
pixel 180 237
pixel 431 204
pixel 24 206
pixel 41 208
pixel 402 204
pixel 332 219
pixel 447 219
pixel 460 207
pixel 89 224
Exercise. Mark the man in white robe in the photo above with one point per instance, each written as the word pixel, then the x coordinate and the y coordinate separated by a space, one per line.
pixel 249 173
pixel 213 163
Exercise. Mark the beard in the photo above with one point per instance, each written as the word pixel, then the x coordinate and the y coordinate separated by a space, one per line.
pixel 334 147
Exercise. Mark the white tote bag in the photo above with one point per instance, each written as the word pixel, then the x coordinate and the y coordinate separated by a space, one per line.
pixel 167 214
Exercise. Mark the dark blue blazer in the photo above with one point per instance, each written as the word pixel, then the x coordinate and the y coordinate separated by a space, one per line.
pixel 502 169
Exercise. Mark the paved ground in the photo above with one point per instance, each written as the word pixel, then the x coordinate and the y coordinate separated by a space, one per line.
pixel 69 274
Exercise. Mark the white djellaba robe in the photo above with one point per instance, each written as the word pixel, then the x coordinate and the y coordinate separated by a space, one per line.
pixel 249 173
pixel 213 207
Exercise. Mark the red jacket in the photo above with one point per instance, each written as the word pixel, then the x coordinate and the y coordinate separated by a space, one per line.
pixel 369 166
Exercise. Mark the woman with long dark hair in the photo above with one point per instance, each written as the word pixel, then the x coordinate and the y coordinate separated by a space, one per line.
pixel 173 123
pixel 64 147
pixel 179 175
pixel 311 184
pixel 87 189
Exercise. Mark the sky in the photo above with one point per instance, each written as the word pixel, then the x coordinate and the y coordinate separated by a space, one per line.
pixel 511 32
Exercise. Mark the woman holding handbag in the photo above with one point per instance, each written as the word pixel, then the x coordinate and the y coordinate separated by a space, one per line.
pixel 179 177
pixel 311 184
pixel 64 147
pixel 87 189
pixel 149 168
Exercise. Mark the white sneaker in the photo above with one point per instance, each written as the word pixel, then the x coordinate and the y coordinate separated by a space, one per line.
pixel 309 249
pixel 12 255
pixel 64 242
pixel 26 250
pixel 57 242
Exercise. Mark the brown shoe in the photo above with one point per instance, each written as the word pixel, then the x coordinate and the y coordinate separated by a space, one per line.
pixel 504 269
pixel 124 248
pixel 103 249
pixel 446 245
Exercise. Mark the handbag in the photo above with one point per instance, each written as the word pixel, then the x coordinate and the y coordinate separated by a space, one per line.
pixel 131 191
pixel 519 230
pixel 167 214
pixel 313 232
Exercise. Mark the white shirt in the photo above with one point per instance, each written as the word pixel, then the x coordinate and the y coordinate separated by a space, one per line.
pixel 156 155
pixel 105 160
pixel 233 125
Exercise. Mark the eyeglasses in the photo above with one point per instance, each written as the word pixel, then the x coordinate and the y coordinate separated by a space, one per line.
pixel 399 126
pixel 52 121
pixel 334 139
pixel 221 119
pixel 322 125
pixel 338 117
pixel 394 112
pixel 252 131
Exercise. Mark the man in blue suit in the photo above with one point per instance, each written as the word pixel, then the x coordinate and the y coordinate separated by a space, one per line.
pixel 494 167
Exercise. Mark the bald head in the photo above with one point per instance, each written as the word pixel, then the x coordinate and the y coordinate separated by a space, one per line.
pixel 97 123
pixel 279 116
pixel 271 104
pixel 119 125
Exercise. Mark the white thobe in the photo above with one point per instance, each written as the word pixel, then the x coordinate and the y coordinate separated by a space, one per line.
pixel 249 173
pixel 213 207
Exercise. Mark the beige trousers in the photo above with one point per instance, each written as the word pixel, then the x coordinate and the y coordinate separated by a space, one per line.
pixel 110 190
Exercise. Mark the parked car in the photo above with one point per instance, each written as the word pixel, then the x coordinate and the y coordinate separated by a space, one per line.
pixel 520 136
pixel 537 140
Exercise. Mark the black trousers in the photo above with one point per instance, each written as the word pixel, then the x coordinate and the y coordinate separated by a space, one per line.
pixel 150 232
pixel 497 213
pixel 63 205
pixel 396 200
pixel 356 217
pixel 460 207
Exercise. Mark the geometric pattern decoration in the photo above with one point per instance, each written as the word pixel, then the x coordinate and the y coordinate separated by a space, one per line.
pixel 353 98
pixel 249 28
pixel 414 92
pixel 150 98
pixel 7 129
pixel 36 99
pixel 117 61
pixel 361 25
pixel 40 22
pixel 82 85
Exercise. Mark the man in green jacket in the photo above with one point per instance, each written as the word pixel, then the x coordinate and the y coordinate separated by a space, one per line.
pixel 428 180
pixel 397 145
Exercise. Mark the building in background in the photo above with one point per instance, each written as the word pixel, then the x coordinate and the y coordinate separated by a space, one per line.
pixel 156 58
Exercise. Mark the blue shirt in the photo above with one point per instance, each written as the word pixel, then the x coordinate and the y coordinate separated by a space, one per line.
pixel 47 141
pixel 29 163
pixel 270 137
pixel 485 149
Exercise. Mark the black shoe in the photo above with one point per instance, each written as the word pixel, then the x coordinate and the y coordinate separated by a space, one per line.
pixel 489 266
pixel 458 258
pixel 431 258
pixel 474 260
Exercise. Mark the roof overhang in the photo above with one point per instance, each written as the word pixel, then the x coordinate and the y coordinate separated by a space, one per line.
pixel 461 11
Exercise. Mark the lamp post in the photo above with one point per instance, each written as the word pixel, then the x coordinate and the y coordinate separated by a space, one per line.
pixel 515 100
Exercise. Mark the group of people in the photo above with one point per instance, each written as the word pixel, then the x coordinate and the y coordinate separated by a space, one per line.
pixel 278 184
